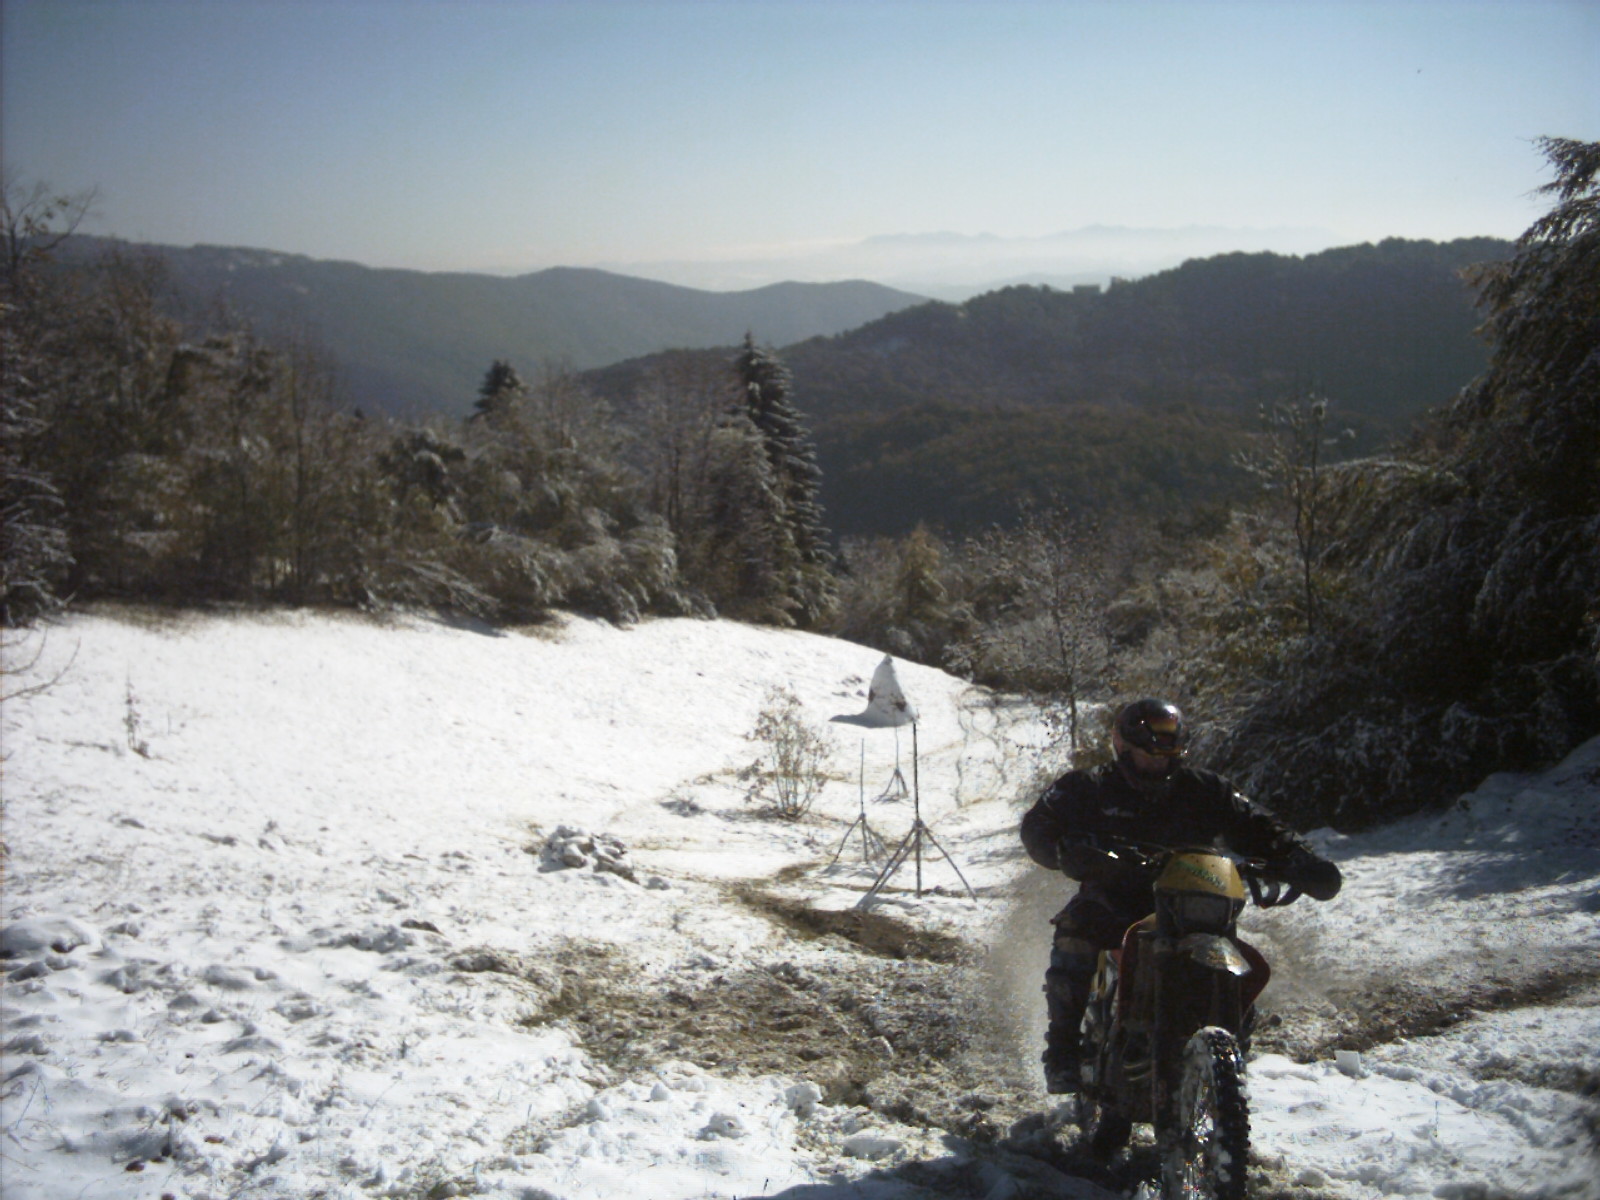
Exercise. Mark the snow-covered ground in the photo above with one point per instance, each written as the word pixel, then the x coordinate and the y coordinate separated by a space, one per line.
pixel 289 911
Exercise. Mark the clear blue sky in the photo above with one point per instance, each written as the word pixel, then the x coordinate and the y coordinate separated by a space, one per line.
pixel 510 136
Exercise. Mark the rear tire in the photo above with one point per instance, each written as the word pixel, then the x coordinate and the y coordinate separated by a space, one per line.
pixel 1206 1154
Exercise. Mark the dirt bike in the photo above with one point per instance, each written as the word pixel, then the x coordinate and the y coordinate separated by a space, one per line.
pixel 1168 1021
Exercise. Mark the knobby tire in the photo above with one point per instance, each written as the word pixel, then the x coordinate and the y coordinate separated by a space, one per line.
pixel 1208 1155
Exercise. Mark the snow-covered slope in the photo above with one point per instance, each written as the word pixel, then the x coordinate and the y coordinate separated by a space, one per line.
pixel 288 911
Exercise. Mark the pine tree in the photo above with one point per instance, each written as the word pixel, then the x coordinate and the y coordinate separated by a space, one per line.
pixel 746 557
pixel 1531 422
pixel 921 599
pixel 500 388
pixel 766 388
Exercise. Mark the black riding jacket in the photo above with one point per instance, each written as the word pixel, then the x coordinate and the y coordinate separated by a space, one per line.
pixel 1191 808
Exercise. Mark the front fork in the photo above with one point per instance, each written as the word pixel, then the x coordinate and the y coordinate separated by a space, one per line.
pixel 1199 983
pixel 1099 1025
pixel 1133 1049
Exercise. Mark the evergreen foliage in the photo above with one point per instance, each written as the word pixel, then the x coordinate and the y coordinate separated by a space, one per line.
pixel 906 596
pixel 1132 400
pixel 551 515
pixel 766 388
pixel 146 459
pixel 1471 641
pixel 500 388
pixel 745 556
pixel 1365 636
pixel 964 470
pixel 1386 328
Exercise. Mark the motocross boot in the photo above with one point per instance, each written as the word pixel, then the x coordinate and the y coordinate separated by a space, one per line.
pixel 1066 989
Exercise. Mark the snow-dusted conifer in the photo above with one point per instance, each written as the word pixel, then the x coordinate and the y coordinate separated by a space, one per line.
pixel 766 388
pixel 501 387
pixel 1478 648
pixel 746 556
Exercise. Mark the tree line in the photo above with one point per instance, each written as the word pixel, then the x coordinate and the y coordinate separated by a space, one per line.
pixel 197 462
pixel 1388 327
pixel 1131 399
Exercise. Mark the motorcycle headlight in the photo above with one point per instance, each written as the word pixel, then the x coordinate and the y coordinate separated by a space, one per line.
pixel 1198 912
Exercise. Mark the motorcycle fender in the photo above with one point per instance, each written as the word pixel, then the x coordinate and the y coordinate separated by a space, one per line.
pixel 1214 952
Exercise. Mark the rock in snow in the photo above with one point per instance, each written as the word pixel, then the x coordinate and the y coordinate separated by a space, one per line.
pixel 572 846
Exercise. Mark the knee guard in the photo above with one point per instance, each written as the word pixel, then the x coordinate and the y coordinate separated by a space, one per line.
pixel 1067 984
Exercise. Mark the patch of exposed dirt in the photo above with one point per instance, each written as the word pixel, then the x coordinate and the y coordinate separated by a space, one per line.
pixel 846 1022
pixel 1352 1019
pixel 885 1016
pixel 875 1012
pixel 868 930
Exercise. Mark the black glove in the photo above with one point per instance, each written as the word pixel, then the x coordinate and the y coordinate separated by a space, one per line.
pixel 1080 858
pixel 1083 859
pixel 1310 873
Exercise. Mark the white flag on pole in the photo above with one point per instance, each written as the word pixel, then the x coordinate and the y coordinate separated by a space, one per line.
pixel 887 705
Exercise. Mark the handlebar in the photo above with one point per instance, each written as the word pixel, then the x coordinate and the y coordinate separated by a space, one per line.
pixel 1268 892
pixel 1266 889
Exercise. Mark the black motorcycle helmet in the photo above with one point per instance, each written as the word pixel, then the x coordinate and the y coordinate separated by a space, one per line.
pixel 1155 726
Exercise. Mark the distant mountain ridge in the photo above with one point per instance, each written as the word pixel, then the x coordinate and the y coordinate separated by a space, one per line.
pixel 414 342
pixel 948 265
pixel 1385 330
pixel 1136 397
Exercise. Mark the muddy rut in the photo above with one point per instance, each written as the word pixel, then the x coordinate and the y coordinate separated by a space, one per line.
pixel 905 1022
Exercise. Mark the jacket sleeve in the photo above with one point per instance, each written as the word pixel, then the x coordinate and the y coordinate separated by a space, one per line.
pixel 1257 832
pixel 1069 809
pixel 1252 828
pixel 1043 825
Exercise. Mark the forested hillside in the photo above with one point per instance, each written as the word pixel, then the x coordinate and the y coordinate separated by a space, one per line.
pixel 1361 635
pixel 1137 399
pixel 965 469
pixel 1385 329
pixel 414 343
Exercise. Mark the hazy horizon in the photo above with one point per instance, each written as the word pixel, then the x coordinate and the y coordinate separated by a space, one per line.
pixel 727 145
pixel 943 266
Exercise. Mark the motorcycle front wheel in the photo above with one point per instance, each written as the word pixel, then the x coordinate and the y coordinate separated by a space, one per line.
pixel 1206 1154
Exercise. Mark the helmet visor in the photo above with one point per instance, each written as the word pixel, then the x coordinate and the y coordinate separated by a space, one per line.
pixel 1162 737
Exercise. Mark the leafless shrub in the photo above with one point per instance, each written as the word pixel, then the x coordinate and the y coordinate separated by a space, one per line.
pixel 790 771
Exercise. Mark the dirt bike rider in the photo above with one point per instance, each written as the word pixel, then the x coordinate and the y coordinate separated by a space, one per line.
pixel 1145 795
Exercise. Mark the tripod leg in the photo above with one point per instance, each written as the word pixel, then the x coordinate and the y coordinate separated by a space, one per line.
pixel 952 863
pixel 889 868
pixel 845 840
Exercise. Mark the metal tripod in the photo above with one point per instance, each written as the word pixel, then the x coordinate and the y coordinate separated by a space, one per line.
pixel 911 847
pixel 872 846
pixel 896 788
